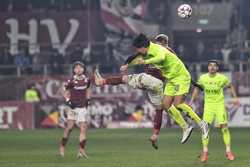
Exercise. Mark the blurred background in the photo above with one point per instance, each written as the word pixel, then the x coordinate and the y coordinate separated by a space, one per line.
pixel 40 39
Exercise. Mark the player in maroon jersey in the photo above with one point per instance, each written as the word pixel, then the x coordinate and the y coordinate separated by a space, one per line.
pixel 77 97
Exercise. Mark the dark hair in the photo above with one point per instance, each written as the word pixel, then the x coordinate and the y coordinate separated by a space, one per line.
pixel 141 41
pixel 217 62
pixel 80 64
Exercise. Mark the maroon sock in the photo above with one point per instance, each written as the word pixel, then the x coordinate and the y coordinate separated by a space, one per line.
pixel 113 80
pixel 82 143
pixel 157 121
pixel 64 141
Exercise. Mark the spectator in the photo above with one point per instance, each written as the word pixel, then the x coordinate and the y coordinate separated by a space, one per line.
pixel 183 54
pixel 31 94
pixel 7 60
pixel 55 5
pixel 56 62
pixel 225 52
pixel 238 36
pixel 216 53
pixel 76 54
pixel 23 60
pixel 200 52
pixel 246 54
pixel 36 63
pixel 234 55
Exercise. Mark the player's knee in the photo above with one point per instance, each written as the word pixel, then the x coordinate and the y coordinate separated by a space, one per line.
pixel 83 128
pixel 125 78
pixel 69 127
pixel 223 126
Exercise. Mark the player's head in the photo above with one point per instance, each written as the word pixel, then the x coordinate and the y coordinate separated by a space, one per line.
pixel 161 39
pixel 78 68
pixel 141 44
pixel 213 66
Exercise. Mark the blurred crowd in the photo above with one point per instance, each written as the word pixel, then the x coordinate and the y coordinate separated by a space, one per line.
pixel 46 5
pixel 233 48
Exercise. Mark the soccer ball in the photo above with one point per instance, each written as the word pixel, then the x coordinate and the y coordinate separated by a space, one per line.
pixel 184 11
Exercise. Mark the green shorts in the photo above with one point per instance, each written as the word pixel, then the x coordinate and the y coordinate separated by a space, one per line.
pixel 215 112
pixel 178 86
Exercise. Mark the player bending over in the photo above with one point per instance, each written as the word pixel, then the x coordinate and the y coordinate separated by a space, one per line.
pixel 152 82
pixel 213 84
pixel 77 96
pixel 174 71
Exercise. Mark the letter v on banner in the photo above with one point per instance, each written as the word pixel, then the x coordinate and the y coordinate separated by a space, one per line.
pixel 54 36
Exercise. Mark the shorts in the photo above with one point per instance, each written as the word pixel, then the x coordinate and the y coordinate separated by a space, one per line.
pixel 78 114
pixel 178 86
pixel 215 112
pixel 152 85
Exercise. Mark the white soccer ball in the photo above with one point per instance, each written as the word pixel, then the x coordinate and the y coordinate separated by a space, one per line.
pixel 184 11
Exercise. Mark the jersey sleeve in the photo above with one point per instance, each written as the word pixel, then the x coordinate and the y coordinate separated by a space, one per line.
pixel 155 59
pixel 156 55
pixel 226 82
pixel 200 82
pixel 69 84
pixel 134 61
pixel 131 58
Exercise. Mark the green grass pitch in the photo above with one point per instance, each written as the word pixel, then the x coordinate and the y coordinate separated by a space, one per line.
pixel 119 148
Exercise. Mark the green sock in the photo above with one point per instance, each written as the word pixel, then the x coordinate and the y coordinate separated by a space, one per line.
pixel 187 109
pixel 205 143
pixel 226 136
pixel 176 115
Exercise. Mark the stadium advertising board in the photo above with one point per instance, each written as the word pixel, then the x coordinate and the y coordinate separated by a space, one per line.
pixel 16 115
pixel 239 116
pixel 111 107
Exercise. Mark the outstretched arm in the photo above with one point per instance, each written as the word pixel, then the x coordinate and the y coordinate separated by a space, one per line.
pixel 155 59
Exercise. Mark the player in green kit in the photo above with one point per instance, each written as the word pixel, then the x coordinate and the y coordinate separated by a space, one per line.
pixel 213 84
pixel 172 68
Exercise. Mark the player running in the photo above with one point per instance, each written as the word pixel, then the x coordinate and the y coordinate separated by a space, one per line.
pixel 213 84
pixel 77 96
pixel 173 70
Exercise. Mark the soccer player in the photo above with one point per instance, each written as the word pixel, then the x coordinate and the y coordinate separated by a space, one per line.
pixel 77 97
pixel 213 84
pixel 151 81
pixel 174 71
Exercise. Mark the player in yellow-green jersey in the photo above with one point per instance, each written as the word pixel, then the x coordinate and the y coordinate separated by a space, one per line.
pixel 213 84
pixel 172 68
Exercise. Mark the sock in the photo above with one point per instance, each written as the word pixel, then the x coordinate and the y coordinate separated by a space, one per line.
pixel 188 110
pixel 205 144
pixel 64 141
pixel 113 80
pixel 226 137
pixel 82 143
pixel 176 115
pixel 157 121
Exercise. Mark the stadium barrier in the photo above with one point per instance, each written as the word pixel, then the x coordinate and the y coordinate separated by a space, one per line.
pixel 112 106
pixel 16 115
